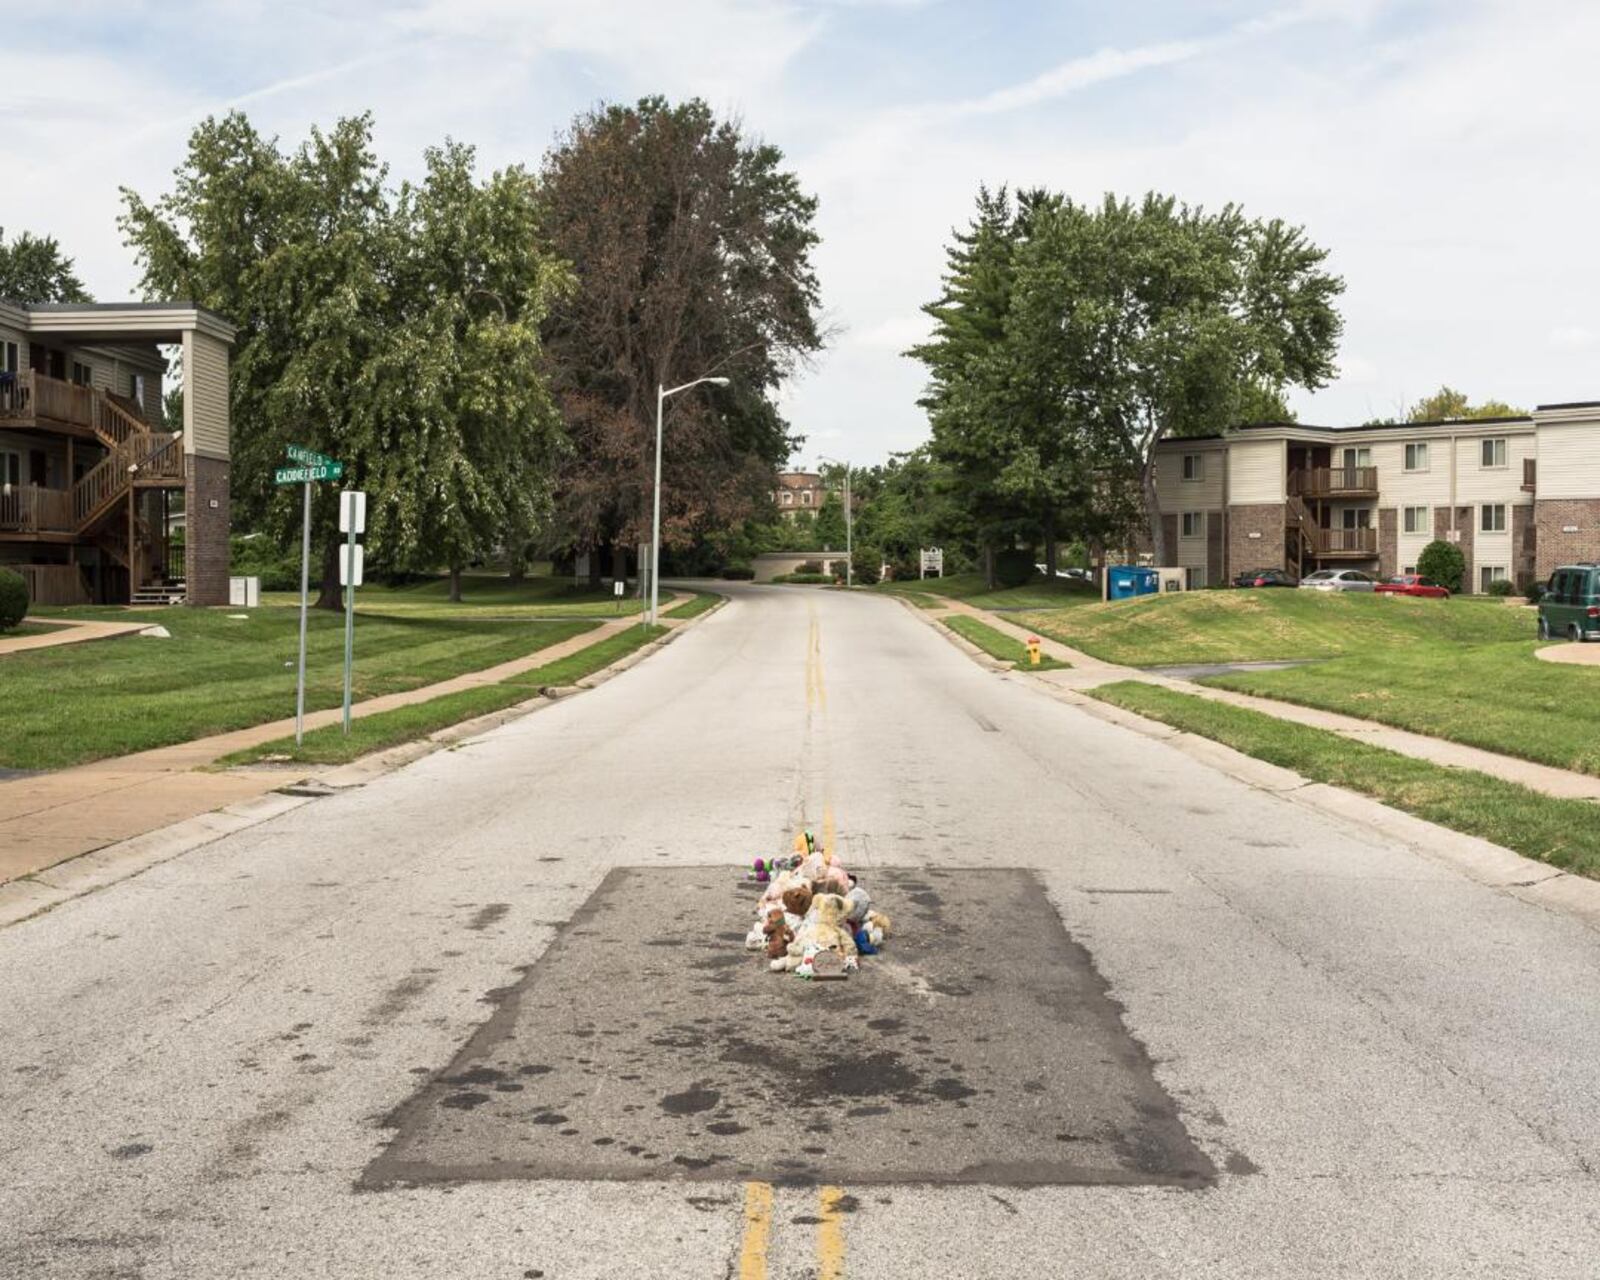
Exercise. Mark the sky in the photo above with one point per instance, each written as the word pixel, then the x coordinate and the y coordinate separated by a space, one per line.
pixel 1446 152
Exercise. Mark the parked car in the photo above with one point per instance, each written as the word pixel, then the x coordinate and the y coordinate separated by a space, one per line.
pixel 1412 584
pixel 1571 605
pixel 1265 578
pixel 1337 580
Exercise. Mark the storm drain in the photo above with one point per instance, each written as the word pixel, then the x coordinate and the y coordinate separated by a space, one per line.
pixel 981 1047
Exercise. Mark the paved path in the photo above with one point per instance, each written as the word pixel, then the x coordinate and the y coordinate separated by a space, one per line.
pixel 1087 672
pixel 68 631
pixel 1577 655
pixel 47 818
pixel 1386 1068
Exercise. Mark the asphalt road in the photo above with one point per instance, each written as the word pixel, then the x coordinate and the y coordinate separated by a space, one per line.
pixel 1138 1019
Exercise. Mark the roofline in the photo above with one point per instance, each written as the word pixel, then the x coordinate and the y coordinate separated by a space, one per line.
pixel 111 321
pixel 1570 404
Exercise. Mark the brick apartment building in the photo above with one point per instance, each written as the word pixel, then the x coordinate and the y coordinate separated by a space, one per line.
pixel 798 491
pixel 93 483
pixel 1519 495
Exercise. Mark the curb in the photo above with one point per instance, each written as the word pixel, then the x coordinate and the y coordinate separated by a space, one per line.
pixel 33 895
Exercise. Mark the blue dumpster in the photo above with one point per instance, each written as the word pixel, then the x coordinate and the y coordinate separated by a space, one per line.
pixel 1126 580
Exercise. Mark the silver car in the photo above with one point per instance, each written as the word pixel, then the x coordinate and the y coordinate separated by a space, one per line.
pixel 1337 580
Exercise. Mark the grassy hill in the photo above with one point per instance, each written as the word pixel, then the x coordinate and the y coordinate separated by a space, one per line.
pixel 1039 593
pixel 1244 626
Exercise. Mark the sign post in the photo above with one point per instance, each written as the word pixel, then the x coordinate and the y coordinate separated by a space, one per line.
pixel 352 520
pixel 314 466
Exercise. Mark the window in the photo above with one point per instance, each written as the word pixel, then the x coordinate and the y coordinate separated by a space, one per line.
pixel 82 375
pixel 1358 457
pixel 1194 466
pixel 1194 579
pixel 1490 573
pixel 1415 520
pixel 1408 568
pixel 1194 524
pixel 10 467
pixel 805 497
pixel 8 357
pixel 1494 453
pixel 1492 517
pixel 788 498
pixel 1417 456
pixel 136 388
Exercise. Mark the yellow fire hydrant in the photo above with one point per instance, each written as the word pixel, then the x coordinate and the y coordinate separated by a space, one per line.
pixel 1033 651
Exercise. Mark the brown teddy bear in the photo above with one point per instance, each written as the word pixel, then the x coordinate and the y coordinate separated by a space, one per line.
pixel 779 934
pixel 797 900
pixel 824 929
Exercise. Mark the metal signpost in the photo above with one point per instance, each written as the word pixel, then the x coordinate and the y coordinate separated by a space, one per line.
pixel 352 520
pixel 315 466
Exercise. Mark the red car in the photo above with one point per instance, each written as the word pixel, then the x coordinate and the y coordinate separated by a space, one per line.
pixel 1412 584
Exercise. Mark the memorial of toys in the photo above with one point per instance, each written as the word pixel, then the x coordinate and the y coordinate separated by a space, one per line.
pixel 815 920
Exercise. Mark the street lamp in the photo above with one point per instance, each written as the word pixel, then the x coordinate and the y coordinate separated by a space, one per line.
pixel 849 525
pixel 662 393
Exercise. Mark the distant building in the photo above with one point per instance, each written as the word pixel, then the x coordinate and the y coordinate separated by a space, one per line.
pixel 798 491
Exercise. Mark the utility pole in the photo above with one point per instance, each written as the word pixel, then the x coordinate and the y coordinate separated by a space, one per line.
pixel 662 395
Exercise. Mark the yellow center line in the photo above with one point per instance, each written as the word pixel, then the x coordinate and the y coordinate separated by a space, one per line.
pixel 830 1235
pixel 757 1227
pixel 827 829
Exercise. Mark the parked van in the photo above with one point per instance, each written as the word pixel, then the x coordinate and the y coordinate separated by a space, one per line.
pixel 1571 606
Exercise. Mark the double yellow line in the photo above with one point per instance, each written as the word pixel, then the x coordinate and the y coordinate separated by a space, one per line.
pixel 758 1232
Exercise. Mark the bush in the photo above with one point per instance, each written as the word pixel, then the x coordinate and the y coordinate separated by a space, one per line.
pixel 737 573
pixel 1013 567
pixel 1534 591
pixel 1500 587
pixel 1444 563
pixel 866 564
pixel 257 557
pixel 13 599
pixel 809 566
pixel 813 579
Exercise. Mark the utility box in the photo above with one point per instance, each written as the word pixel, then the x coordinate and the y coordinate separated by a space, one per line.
pixel 1172 579
pixel 244 593
pixel 1124 581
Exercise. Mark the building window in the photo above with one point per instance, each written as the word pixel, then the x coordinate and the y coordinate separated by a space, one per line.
pixel 1194 466
pixel 1408 568
pixel 805 498
pixel 136 387
pixel 1490 573
pixel 10 467
pixel 1194 524
pixel 1494 453
pixel 1194 578
pixel 82 375
pixel 1415 519
pixel 1493 517
pixel 788 498
pixel 8 357
pixel 1417 456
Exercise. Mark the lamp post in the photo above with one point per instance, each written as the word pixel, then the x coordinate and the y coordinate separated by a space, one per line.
pixel 662 395
pixel 849 526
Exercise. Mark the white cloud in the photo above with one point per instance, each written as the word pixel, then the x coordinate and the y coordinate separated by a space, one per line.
pixel 1574 338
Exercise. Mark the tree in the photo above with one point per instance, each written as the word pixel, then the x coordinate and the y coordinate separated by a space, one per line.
pixel 1154 320
pixel 398 332
pixel 1444 563
pixel 33 269
pixel 1448 403
pixel 692 251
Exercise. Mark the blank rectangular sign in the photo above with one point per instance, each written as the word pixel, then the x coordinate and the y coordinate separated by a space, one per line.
pixel 346 577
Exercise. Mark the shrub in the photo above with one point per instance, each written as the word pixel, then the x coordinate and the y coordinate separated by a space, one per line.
pixel 257 557
pixel 13 599
pixel 737 572
pixel 813 578
pixel 1534 591
pixel 1013 567
pixel 865 565
pixel 1500 587
pixel 809 566
pixel 1444 563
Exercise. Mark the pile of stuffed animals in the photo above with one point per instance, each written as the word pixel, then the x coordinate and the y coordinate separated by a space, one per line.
pixel 814 919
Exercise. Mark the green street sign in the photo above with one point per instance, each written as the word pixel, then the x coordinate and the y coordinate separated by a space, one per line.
pixel 309 457
pixel 304 475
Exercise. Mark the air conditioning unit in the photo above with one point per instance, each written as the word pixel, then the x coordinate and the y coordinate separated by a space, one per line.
pixel 1452 535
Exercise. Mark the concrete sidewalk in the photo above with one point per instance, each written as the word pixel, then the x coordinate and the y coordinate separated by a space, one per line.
pixel 47 818
pixel 1087 672
pixel 68 631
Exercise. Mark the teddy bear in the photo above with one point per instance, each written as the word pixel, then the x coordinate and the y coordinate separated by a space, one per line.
pixel 779 934
pixel 823 929
pixel 860 903
pixel 797 900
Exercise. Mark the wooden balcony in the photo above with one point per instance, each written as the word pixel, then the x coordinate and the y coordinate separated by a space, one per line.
pixel 31 509
pixel 1346 544
pixel 1334 482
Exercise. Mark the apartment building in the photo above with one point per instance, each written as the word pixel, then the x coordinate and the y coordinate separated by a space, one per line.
pixel 1518 495
pixel 798 491
pixel 93 480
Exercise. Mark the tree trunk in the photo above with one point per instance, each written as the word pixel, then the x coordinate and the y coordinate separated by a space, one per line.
pixel 331 594
pixel 619 563
pixel 988 569
pixel 455 582
pixel 519 567
pixel 596 553
pixel 1152 511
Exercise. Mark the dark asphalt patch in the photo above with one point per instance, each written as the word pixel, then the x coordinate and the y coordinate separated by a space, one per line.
pixel 980 1047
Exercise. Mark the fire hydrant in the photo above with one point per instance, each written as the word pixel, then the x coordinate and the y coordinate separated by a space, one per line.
pixel 1033 651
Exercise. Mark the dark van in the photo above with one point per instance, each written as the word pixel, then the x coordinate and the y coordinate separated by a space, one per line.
pixel 1571 606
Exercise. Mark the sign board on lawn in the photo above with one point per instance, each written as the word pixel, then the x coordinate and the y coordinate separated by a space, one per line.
pixel 352 511
pixel 350 573
pixel 307 457
pixel 305 475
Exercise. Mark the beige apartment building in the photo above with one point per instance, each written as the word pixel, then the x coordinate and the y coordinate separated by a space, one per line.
pixel 1520 496
pixel 92 480
pixel 798 491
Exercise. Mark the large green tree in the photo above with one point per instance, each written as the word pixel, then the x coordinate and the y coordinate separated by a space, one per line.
pixel 397 331
pixel 1447 402
pixel 33 269
pixel 692 250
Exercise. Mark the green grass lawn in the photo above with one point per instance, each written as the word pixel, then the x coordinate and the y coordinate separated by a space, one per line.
pixel 1040 593
pixel 28 629
pixel 406 724
pixel 1560 832
pixel 997 644
pixel 487 595
pixel 76 703
pixel 1243 626
pixel 702 601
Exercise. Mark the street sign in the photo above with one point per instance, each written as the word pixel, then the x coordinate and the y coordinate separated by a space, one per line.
pixel 309 457
pixel 352 511
pixel 352 564
pixel 305 475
